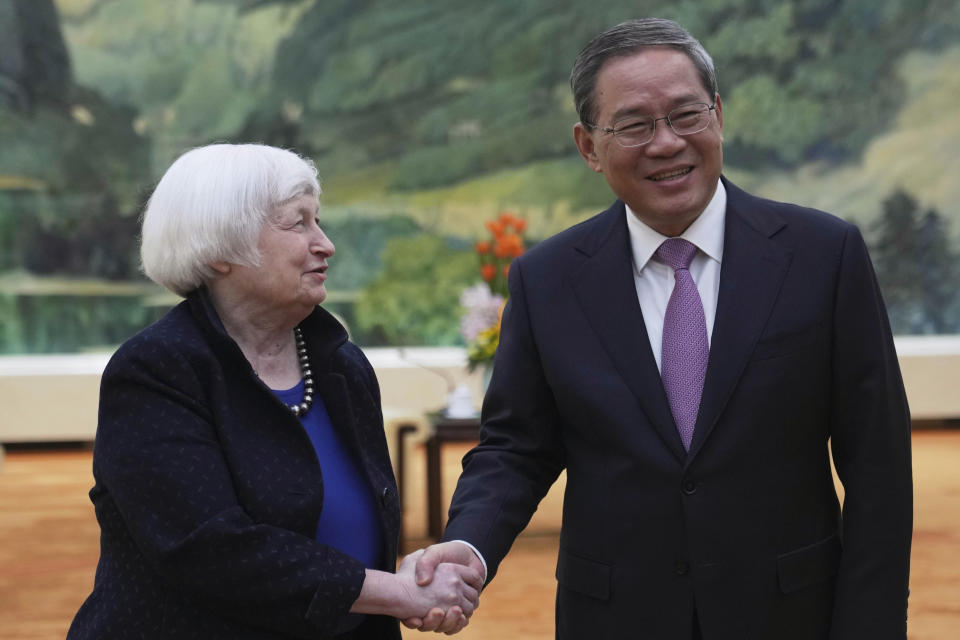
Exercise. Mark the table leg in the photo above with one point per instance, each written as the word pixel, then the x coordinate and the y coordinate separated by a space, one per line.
pixel 402 431
pixel 434 489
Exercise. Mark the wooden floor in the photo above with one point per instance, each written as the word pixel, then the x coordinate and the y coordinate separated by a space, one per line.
pixel 48 548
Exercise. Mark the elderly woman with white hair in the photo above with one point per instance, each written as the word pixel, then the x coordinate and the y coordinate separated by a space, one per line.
pixel 242 481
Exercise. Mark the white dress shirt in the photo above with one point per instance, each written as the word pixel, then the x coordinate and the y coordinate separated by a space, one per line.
pixel 654 280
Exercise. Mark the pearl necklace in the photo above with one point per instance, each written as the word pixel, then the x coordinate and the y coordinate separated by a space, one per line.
pixel 307 402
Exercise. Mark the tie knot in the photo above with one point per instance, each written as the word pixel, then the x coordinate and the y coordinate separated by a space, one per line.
pixel 677 253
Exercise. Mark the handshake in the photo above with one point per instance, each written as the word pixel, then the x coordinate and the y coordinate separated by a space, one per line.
pixel 434 589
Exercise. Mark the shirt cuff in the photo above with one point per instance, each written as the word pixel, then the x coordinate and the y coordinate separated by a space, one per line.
pixel 479 555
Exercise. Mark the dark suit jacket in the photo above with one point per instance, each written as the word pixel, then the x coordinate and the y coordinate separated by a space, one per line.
pixel 747 527
pixel 208 492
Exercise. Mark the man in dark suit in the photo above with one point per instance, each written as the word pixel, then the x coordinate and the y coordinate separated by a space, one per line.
pixel 691 356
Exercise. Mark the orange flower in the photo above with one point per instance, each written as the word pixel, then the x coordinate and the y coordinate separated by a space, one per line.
pixel 496 252
pixel 496 228
pixel 508 245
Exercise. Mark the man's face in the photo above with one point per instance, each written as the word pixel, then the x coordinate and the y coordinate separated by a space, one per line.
pixel 669 181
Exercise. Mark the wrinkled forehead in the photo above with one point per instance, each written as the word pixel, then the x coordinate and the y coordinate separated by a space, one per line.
pixel 295 207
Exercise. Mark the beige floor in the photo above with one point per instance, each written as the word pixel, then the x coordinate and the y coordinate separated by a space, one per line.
pixel 48 547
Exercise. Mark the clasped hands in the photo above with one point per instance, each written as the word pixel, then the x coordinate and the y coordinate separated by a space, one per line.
pixel 453 574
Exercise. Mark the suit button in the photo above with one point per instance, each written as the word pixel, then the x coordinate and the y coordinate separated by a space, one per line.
pixel 689 487
pixel 384 495
pixel 682 568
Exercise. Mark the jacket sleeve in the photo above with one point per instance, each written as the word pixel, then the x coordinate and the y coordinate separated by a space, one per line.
pixel 870 439
pixel 520 453
pixel 159 464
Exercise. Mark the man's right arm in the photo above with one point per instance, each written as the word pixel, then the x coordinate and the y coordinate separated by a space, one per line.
pixel 521 451
pixel 519 457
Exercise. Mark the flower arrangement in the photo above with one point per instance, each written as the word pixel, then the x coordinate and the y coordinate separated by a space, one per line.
pixel 483 303
pixel 480 324
pixel 496 254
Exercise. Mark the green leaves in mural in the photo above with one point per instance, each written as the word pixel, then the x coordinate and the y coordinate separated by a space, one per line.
pixel 360 242
pixel 414 299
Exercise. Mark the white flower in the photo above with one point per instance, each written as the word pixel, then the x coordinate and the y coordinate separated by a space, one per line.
pixel 481 310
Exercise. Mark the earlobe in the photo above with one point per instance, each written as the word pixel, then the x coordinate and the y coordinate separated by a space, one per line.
pixel 222 267
pixel 586 147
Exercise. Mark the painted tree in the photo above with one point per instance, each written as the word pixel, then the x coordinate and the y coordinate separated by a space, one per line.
pixel 938 275
pixel 916 267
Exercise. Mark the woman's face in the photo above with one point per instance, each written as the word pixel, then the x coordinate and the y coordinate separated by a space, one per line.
pixel 293 258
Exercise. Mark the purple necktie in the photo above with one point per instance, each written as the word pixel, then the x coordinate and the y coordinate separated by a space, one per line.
pixel 685 349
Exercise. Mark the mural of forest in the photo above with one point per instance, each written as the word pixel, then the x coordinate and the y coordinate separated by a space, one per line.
pixel 427 118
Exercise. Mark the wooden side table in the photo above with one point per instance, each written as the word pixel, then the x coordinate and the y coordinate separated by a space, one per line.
pixel 445 430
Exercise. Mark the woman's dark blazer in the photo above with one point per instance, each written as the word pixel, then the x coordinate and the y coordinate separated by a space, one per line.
pixel 208 491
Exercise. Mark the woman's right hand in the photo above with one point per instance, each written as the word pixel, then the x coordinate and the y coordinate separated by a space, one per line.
pixel 451 597
pixel 454 590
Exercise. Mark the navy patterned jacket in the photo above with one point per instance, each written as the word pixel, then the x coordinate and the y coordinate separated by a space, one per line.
pixel 208 491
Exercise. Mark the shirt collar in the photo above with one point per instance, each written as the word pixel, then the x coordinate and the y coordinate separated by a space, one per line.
pixel 706 232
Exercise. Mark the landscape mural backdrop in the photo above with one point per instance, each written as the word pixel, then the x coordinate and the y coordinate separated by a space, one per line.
pixel 428 117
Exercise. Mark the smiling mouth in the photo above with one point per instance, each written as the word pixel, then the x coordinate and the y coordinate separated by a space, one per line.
pixel 668 175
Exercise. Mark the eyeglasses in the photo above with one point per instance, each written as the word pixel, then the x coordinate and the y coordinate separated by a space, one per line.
pixel 636 131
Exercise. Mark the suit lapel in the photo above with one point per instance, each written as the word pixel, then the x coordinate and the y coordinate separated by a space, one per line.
pixel 750 279
pixel 605 289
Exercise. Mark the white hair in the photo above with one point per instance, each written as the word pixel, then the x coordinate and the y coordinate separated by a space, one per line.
pixel 210 206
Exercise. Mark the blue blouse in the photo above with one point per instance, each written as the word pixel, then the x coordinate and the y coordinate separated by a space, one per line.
pixel 349 520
